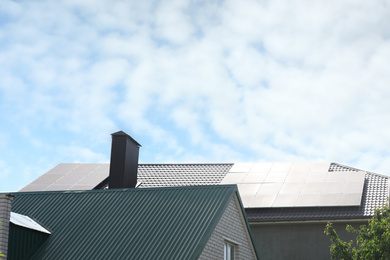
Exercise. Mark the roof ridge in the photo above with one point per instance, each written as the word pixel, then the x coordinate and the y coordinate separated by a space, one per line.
pixel 333 164
pixel 217 186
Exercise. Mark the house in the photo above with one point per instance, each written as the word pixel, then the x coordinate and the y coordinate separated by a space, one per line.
pixel 198 222
pixel 287 204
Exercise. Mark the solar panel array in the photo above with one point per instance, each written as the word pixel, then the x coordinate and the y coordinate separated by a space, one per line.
pixel 260 184
pixel 69 176
pixel 295 185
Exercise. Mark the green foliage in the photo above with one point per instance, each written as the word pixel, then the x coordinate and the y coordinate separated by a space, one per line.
pixel 372 240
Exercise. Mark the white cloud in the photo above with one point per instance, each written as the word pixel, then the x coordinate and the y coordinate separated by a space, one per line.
pixel 5 170
pixel 267 80
pixel 82 154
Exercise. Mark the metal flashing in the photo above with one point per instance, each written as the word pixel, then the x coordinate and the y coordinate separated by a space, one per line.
pixel 27 222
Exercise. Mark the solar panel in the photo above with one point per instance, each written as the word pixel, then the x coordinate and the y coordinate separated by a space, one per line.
pixel 95 176
pixel 307 200
pixel 260 167
pixel 336 177
pixel 261 201
pixel 296 176
pixel 329 199
pixel 70 176
pixel 241 167
pixel 352 187
pixel 295 185
pixel 234 178
pixel 312 187
pixel 351 198
pixel 276 177
pixel 285 199
pixel 316 177
pixel 291 188
pixel 269 188
pixel 281 167
pixel 255 177
pixel 249 189
pixel 47 179
pixel 334 187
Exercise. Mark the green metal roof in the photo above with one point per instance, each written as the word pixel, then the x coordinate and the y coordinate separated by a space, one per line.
pixel 24 241
pixel 149 223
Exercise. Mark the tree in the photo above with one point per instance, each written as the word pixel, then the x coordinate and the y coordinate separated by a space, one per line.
pixel 372 240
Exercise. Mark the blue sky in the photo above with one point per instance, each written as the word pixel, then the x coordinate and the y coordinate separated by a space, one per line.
pixel 193 81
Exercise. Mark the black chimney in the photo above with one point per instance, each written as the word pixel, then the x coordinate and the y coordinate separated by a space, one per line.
pixel 124 161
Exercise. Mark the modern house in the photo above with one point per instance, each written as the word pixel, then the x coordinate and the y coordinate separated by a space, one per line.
pixel 287 204
pixel 198 222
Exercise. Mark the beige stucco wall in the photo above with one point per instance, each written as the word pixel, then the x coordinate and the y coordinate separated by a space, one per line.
pixel 231 227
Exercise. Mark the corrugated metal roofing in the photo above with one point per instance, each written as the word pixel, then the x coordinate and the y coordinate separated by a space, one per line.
pixel 152 223
pixel 24 241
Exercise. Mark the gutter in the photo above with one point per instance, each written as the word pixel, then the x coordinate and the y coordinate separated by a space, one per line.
pixel 312 221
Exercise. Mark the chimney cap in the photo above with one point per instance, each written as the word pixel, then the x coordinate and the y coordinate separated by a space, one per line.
pixel 121 133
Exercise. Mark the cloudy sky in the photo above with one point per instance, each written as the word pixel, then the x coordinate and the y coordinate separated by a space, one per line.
pixel 193 81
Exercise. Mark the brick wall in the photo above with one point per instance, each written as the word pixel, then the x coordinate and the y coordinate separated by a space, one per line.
pixel 5 211
pixel 232 228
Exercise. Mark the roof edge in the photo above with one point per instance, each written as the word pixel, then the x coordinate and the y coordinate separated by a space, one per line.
pixel 246 222
pixel 27 222
pixel 125 189
pixel 217 217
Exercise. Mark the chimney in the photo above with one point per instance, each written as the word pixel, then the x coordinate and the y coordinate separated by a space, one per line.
pixel 124 161
pixel 5 213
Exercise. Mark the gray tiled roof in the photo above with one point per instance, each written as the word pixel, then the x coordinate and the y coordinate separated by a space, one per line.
pixel 164 175
pixel 159 175
pixel 335 167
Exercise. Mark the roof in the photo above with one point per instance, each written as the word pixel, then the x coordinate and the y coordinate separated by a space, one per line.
pixel 281 185
pixel 86 176
pixel 375 194
pixel 369 192
pixel 163 223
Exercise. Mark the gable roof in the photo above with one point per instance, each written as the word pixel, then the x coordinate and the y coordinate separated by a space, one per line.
pixel 373 193
pixel 87 176
pixel 164 223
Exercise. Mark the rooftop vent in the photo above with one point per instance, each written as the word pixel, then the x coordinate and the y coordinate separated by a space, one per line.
pixel 124 161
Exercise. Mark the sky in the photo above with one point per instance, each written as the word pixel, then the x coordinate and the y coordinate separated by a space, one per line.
pixel 193 81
